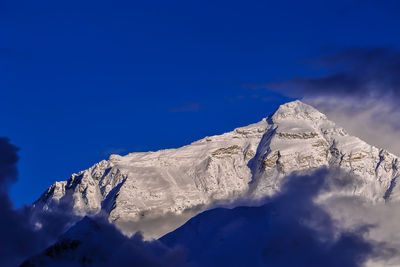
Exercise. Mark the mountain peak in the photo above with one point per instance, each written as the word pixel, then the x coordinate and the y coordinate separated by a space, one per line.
pixel 155 192
pixel 297 110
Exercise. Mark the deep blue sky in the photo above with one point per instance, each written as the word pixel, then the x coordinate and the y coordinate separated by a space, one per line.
pixel 80 80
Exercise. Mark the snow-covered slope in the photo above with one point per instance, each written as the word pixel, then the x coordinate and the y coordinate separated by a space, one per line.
pixel 155 192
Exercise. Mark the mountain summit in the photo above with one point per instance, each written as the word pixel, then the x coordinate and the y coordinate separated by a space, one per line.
pixel 156 192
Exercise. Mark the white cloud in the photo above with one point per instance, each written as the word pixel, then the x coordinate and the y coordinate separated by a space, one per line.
pixel 375 120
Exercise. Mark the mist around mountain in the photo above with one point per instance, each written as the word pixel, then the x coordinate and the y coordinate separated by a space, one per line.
pixel 291 228
pixel 293 189
pixel 156 192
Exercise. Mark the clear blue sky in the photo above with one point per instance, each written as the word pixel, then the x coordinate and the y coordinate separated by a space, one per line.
pixel 80 80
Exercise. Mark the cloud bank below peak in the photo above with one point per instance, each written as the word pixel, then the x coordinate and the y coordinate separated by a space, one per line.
pixel 290 229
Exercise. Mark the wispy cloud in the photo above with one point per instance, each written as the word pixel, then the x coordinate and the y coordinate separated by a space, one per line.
pixel 357 72
pixel 360 91
pixel 115 150
pixel 96 241
pixel 20 237
pixel 28 231
pixel 188 107
pixel 291 229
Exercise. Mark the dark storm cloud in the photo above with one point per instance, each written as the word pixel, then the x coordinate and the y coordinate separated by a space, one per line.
pixel 8 164
pixel 24 231
pixel 28 231
pixel 96 242
pixel 355 71
pixel 360 91
pixel 290 230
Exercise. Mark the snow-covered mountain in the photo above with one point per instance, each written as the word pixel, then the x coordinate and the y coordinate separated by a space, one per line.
pixel 156 192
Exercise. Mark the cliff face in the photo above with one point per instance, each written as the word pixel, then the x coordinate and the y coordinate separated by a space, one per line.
pixel 155 192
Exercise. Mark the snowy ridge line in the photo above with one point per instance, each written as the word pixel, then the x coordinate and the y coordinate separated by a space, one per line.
pixel 156 192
